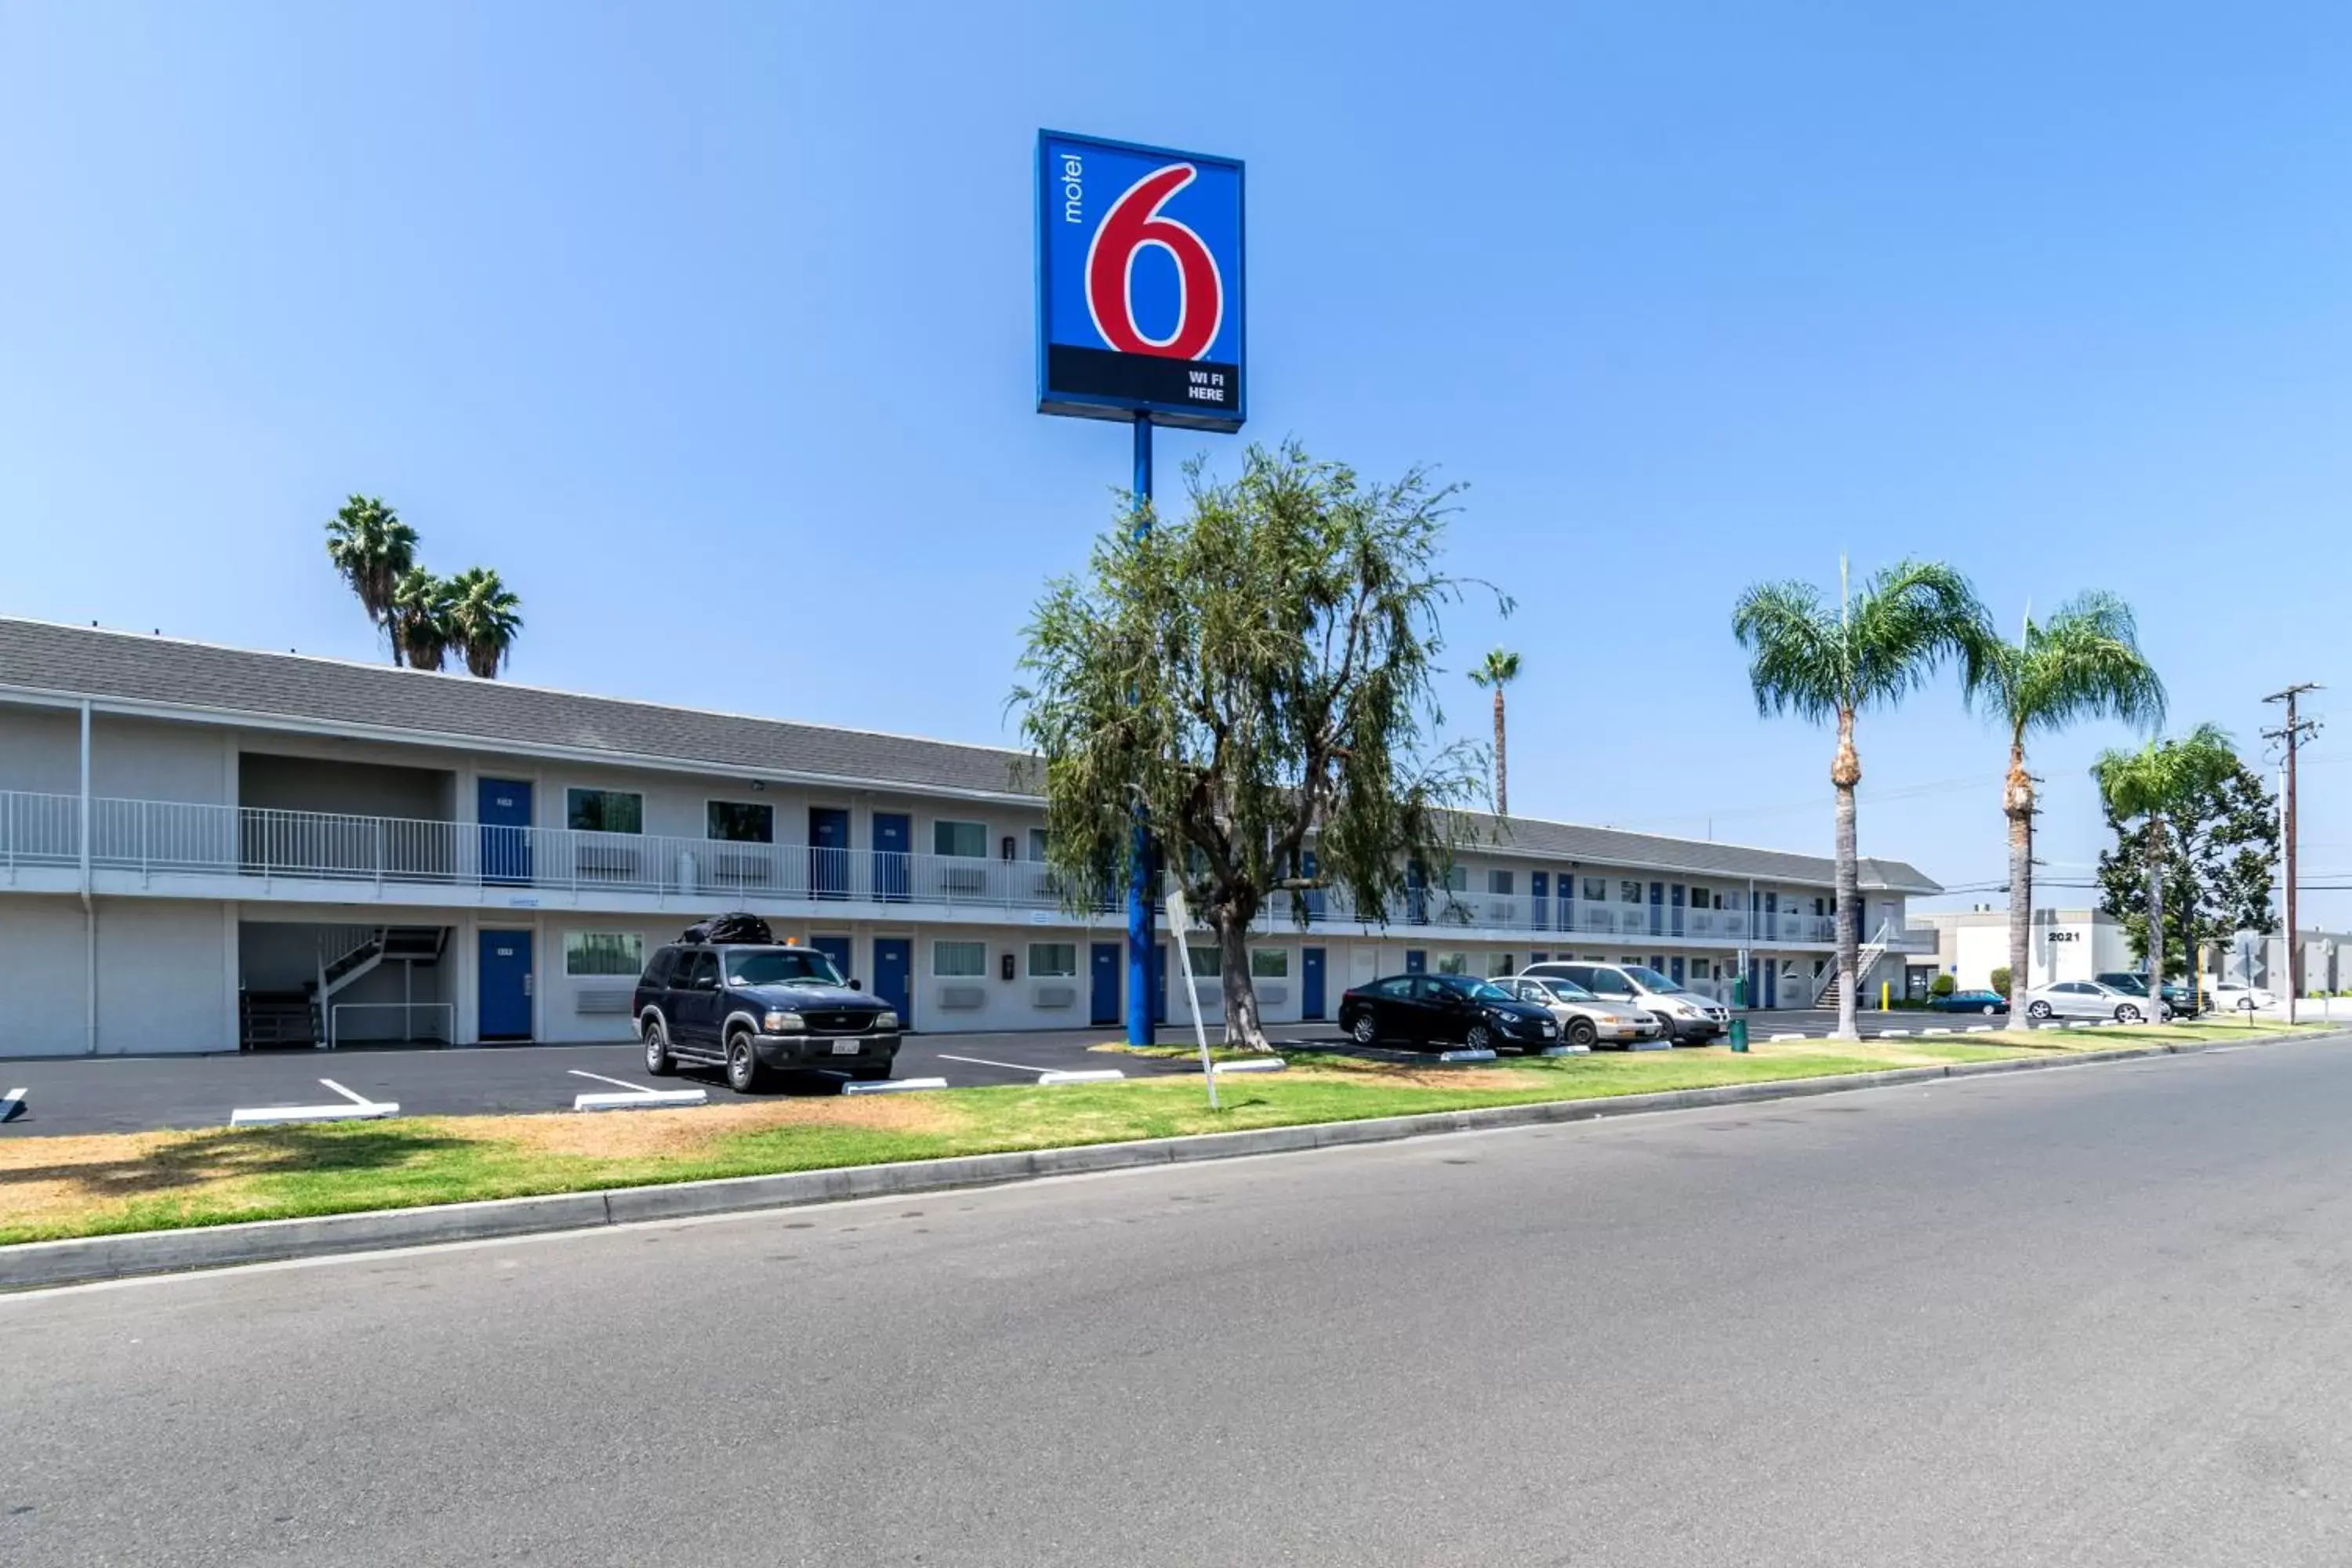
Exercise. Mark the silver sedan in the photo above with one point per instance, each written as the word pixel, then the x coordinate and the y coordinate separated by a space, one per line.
pixel 1585 1020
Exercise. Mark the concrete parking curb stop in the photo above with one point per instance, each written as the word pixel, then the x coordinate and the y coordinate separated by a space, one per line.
pixel 32 1265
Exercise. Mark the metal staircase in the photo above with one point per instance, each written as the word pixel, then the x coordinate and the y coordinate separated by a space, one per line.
pixel 1864 961
pixel 348 953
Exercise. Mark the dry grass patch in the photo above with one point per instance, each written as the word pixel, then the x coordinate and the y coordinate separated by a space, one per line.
pixel 666 1134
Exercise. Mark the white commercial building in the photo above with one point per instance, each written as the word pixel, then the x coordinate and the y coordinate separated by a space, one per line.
pixel 205 848
pixel 2062 944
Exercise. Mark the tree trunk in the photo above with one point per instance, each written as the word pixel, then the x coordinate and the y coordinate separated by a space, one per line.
pixel 1242 1026
pixel 2017 801
pixel 1502 766
pixel 2155 914
pixel 1845 773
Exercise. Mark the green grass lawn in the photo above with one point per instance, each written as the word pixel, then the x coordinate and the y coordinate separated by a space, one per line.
pixel 52 1187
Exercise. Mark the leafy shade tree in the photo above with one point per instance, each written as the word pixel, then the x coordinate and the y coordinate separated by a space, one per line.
pixel 1498 671
pixel 1255 679
pixel 485 618
pixel 372 549
pixel 1831 662
pixel 2084 662
pixel 2198 871
pixel 423 618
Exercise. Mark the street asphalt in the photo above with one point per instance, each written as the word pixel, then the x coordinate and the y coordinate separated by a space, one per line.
pixel 2091 1317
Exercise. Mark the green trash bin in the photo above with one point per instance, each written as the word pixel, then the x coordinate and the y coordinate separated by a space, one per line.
pixel 1740 1034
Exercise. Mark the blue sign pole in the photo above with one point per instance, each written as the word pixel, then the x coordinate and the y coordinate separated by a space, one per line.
pixel 1140 318
pixel 1138 882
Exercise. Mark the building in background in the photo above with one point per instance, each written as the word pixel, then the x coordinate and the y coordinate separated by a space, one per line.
pixel 1969 944
pixel 205 848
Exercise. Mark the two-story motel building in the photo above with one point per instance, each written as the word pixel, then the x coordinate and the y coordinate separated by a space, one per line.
pixel 205 848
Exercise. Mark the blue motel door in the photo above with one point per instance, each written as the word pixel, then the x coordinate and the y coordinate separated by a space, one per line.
pixel 894 970
pixel 504 985
pixel 1310 985
pixel 1104 963
pixel 503 809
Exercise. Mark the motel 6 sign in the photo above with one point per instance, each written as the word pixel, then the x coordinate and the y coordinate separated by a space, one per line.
pixel 1139 283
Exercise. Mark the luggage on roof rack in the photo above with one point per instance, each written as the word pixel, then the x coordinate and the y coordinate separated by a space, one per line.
pixel 740 926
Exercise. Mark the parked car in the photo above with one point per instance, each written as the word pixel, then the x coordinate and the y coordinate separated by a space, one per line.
pixel 2175 994
pixel 1985 1002
pixel 1688 1018
pixel 1584 1019
pixel 2242 998
pixel 753 1008
pixel 2089 999
pixel 1443 1010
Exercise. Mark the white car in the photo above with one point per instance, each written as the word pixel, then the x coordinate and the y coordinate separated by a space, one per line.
pixel 2240 998
pixel 2089 999
pixel 1687 1018
pixel 1585 1020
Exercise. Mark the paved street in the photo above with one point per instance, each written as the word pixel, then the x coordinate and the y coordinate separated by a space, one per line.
pixel 2090 1317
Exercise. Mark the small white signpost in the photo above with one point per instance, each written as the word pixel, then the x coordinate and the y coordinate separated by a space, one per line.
pixel 1180 922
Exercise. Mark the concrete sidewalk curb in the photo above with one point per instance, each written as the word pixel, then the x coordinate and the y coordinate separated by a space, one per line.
pixel 32 1265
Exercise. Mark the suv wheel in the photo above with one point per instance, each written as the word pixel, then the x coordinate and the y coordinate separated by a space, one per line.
pixel 659 1061
pixel 743 1073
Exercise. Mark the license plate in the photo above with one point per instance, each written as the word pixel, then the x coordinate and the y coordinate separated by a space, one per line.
pixel 844 1047
pixel 1550 1028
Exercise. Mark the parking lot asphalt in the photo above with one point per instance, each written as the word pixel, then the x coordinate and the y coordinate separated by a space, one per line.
pixel 139 1094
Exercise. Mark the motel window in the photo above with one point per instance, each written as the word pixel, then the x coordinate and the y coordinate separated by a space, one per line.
pixel 740 822
pixel 960 959
pixel 1499 883
pixel 1037 844
pixel 1457 878
pixel 1499 964
pixel 1453 963
pixel 604 810
pixel 968 840
pixel 1629 892
pixel 1269 964
pixel 1053 960
pixel 1698 898
pixel 1208 963
pixel 1596 890
pixel 604 952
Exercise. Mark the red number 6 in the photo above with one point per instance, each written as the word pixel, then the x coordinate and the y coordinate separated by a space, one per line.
pixel 1133 222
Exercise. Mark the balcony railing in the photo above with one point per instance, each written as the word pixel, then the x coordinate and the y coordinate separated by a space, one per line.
pixel 166 838
pixel 169 838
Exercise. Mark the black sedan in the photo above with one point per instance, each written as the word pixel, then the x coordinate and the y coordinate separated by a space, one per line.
pixel 1441 1010
pixel 1985 1002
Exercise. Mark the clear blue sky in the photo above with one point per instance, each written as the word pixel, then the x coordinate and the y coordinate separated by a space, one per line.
pixel 709 322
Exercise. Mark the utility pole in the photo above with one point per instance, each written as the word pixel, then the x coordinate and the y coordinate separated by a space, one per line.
pixel 2291 735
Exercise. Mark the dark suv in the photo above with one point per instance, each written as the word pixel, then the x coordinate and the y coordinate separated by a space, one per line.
pixel 753 1008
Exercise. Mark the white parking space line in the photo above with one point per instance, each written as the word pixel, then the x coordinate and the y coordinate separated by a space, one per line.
pixel 984 1062
pixel 355 1107
pixel 636 1097
pixel 11 1103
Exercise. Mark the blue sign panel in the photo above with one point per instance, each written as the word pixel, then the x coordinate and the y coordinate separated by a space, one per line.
pixel 1139 283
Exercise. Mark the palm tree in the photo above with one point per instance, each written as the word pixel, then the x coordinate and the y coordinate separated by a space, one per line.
pixel 1868 650
pixel 2084 663
pixel 371 548
pixel 485 616
pixel 424 626
pixel 2152 784
pixel 1500 670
